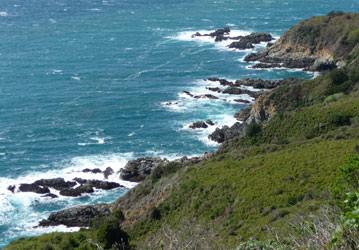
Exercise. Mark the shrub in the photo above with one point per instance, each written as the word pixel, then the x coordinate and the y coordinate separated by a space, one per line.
pixel 338 76
pixel 339 119
pixel 253 129
pixel 166 170
pixel 110 233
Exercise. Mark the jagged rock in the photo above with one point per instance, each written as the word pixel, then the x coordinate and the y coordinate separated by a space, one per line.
pixel 209 122
pixel 76 216
pixel 53 196
pixel 208 96
pixel 56 183
pixel 248 41
pixel 198 124
pixel 108 171
pixel 225 133
pixel 243 114
pixel 218 35
pixel 137 170
pixel 11 188
pixel 34 188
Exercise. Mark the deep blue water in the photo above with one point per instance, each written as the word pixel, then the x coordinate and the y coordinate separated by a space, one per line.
pixel 84 84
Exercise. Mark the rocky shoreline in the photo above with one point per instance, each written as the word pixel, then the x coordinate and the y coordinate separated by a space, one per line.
pixel 139 169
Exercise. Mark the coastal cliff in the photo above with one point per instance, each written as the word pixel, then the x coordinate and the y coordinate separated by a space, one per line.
pixel 274 172
pixel 317 44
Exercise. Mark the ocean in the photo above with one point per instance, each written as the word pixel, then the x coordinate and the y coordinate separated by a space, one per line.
pixel 87 84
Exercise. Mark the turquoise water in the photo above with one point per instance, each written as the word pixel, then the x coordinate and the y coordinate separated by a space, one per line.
pixel 84 83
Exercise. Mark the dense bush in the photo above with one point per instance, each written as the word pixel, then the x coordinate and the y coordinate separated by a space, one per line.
pixel 253 129
pixel 110 233
pixel 339 118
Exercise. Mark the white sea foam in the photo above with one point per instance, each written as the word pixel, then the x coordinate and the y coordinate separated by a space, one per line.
pixel 188 36
pixel 76 78
pixel 4 13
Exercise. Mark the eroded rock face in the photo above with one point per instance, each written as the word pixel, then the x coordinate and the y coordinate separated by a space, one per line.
pixel 243 114
pixel 137 170
pixel 76 216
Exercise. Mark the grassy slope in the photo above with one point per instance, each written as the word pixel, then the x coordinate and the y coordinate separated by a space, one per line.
pixel 251 184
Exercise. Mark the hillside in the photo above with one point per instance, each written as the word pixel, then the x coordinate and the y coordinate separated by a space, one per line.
pixel 319 43
pixel 258 185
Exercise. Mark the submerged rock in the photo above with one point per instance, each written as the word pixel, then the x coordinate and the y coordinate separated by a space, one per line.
pixel 53 196
pixel 11 188
pixel 94 171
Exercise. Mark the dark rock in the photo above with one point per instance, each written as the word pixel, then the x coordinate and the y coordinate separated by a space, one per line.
pixel 266 66
pixel 218 35
pixel 76 216
pixel 209 122
pixel 267 84
pixel 243 114
pixel 80 180
pixel 56 183
pixel 109 171
pixel 233 91
pixel 34 188
pixel 72 192
pixel 11 188
pixel 94 171
pixel 216 89
pixel 242 101
pixel 137 170
pixel 248 41
pixel 241 45
pixel 225 133
pixel 53 196
pixel 198 124
pixel 223 82
pixel 209 96
pixel 105 185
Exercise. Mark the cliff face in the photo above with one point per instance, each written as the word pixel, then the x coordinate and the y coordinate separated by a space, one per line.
pixel 317 44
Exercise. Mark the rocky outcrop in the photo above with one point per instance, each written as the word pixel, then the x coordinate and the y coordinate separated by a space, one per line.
pixel 243 114
pixel 248 42
pixel 218 35
pixel 255 83
pixel 56 183
pixel 225 133
pixel 137 170
pixel 108 171
pixel 66 188
pixel 77 216
pixel 34 188
pixel 199 124
pixel 316 44
pixel 262 109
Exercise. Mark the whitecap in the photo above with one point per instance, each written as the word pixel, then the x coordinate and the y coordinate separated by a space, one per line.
pixel 4 13
pixel 76 78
